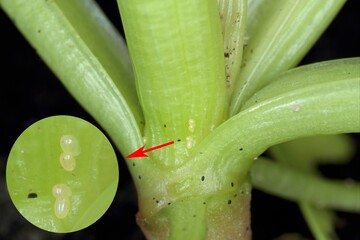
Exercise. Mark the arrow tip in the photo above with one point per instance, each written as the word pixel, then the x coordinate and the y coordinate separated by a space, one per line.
pixel 138 153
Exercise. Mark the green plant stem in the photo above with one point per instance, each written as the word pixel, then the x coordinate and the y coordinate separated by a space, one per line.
pixel 306 153
pixel 304 110
pixel 297 186
pixel 222 160
pixel 181 224
pixel 279 34
pixel 233 18
pixel 217 216
pixel 308 76
pixel 177 54
pixel 321 221
pixel 303 155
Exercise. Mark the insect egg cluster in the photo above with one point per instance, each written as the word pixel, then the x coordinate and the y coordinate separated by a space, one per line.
pixel 62 194
pixel 71 148
pixel 191 125
pixel 189 142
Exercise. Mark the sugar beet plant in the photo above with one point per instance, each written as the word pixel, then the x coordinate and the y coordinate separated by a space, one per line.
pixel 218 79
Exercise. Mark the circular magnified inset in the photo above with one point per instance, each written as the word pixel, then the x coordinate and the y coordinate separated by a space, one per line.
pixel 62 174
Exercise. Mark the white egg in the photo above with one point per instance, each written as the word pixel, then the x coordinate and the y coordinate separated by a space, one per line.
pixel 69 144
pixel 61 191
pixel 296 108
pixel 191 125
pixel 62 207
pixel 189 142
pixel 67 161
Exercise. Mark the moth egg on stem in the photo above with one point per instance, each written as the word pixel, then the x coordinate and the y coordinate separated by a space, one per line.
pixel 62 207
pixel 67 161
pixel 296 108
pixel 61 191
pixel 189 142
pixel 191 125
pixel 70 144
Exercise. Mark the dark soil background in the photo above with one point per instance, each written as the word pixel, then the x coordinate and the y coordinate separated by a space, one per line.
pixel 30 92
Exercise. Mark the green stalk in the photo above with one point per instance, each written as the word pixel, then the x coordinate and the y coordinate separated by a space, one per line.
pixel 339 195
pixel 83 49
pixel 307 153
pixel 233 21
pixel 321 221
pixel 300 107
pixel 177 55
pixel 298 110
pixel 302 156
pixel 279 34
pixel 307 76
pixel 180 214
pixel 178 59
pixel 216 216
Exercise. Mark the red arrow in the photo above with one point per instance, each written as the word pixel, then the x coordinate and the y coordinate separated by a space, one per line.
pixel 141 152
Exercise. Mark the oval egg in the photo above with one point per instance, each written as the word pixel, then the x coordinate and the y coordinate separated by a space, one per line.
pixel 62 207
pixel 61 191
pixel 70 144
pixel 67 161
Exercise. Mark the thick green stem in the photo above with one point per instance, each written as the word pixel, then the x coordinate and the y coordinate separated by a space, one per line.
pixel 217 217
pixel 177 55
pixel 227 153
pixel 224 157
